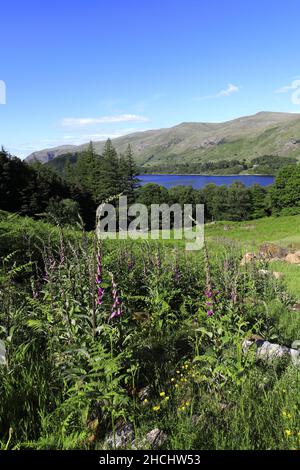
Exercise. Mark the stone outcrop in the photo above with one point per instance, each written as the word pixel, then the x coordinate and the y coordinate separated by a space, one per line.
pixel 124 438
pixel 269 351
pixel 271 251
pixel 293 258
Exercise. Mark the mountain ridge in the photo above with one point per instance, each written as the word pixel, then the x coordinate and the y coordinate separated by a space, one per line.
pixel 246 137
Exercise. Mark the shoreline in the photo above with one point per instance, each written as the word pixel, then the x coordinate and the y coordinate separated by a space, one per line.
pixel 202 174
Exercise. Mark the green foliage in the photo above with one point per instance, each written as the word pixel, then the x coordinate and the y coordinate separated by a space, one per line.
pixel 266 165
pixel 72 374
pixel 34 190
pixel 285 192
pixel 270 164
pixel 88 180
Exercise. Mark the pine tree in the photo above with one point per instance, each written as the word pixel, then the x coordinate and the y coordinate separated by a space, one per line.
pixel 87 173
pixel 111 183
pixel 128 175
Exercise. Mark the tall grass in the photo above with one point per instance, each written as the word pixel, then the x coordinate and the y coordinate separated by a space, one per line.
pixel 161 347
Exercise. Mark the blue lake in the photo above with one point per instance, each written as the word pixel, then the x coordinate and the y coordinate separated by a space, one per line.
pixel 199 181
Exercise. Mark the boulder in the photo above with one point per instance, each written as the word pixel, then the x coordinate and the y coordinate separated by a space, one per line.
pixel 123 437
pixel 269 351
pixel 2 354
pixel 156 438
pixel 270 251
pixel 278 275
pixel 248 258
pixel 293 258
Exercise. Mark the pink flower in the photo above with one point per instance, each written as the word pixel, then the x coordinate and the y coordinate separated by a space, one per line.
pixel 100 291
pixel 117 303
pixel 208 294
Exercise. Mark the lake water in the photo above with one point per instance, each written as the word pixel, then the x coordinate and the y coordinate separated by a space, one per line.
pixel 199 181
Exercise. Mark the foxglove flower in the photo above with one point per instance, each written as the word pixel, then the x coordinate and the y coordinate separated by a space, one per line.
pixel 116 310
pixel 62 252
pixel 100 290
pixel 209 302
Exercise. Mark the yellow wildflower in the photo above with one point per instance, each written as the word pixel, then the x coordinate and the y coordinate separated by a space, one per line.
pixel 181 408
pixel 162 394
pixel 156 408
pixel 288 433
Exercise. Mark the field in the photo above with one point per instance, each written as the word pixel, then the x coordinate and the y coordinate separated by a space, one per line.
pixel 249 236
pixel 102 343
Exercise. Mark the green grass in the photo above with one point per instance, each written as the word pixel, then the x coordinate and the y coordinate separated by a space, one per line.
pixel 284 231
pixel 249 236
pixel 72 374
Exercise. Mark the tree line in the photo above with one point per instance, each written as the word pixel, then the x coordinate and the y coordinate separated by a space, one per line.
pixel 266 164
pixel 38 190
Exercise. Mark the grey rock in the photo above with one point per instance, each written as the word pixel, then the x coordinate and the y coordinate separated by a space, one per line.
pixel 122 438
pixel 269 351
pixel 2 354
pixel 156 438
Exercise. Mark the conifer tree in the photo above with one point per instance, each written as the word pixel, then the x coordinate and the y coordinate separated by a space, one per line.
pixel 128 175
pixel 110 175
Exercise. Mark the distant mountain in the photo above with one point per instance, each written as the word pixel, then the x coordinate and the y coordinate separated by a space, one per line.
pixel 265 133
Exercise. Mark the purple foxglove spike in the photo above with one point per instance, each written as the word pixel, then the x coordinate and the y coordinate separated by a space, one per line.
pixel 113 315
pixel 119 312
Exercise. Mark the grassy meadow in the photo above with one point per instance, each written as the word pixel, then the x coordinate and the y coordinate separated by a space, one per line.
pixel 249 236
pixel 117 338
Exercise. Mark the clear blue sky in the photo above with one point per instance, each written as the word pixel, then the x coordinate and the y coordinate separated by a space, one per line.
pixel 87 69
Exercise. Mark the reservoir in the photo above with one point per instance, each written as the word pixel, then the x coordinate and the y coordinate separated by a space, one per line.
pixel 199 181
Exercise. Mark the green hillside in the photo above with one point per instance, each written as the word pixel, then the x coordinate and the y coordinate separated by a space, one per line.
pixel 244 138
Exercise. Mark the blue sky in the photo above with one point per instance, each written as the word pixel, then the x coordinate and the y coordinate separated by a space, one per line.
pixel 88 69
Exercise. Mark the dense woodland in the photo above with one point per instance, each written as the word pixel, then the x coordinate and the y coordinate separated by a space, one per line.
pixel 264 165
pixel 40 191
